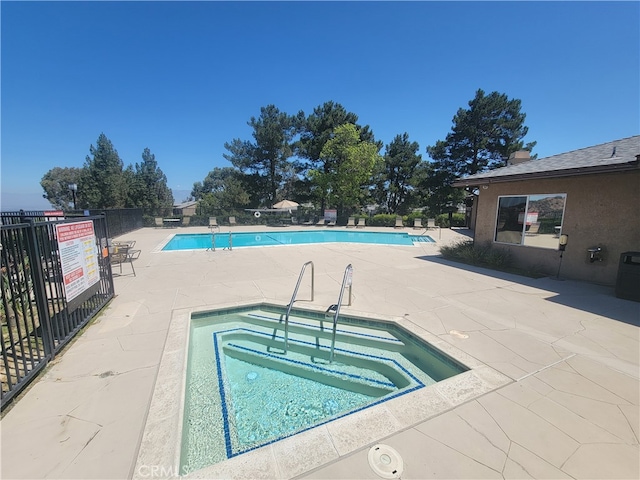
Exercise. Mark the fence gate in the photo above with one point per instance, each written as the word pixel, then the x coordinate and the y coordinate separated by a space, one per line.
pixel 55 278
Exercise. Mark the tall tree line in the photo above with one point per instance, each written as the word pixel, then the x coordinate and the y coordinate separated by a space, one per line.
pixel 327 157
pixel 321 157
pixel 104 182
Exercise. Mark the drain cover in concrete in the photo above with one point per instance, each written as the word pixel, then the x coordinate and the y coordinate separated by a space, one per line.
pixel 385 461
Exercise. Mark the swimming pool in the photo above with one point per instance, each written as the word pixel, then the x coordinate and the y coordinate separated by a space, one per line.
pixel 196 241
pixel 243 392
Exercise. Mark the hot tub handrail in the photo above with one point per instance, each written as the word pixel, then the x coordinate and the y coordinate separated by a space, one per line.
pixel 293 299
pixel 346 281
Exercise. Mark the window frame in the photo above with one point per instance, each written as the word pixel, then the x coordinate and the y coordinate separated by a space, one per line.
pixel 523 235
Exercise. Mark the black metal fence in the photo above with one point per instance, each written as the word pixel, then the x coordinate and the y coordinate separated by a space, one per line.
pixel 37 321
pixel 119 220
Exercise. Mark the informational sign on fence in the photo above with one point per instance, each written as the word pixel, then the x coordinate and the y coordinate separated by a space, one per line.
pixel 78 259
pixel 330 215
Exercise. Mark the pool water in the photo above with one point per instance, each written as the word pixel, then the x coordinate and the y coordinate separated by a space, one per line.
pixel 195 241
pixel 258 416
pixel 243 391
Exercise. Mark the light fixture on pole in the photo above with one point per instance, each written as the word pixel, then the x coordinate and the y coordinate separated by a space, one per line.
pixel 74 188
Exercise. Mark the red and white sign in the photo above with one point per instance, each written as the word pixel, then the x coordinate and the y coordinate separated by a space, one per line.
pixel 532 217
pixel 331 215
pixel 78 257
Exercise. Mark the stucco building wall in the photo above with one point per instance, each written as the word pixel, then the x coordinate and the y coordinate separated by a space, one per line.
pixel 600 210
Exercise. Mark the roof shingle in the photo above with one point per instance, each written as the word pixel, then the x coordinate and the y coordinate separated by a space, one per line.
pixel 609 156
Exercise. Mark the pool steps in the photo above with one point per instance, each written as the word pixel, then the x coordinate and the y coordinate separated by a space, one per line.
pixel 363 383
pixel 351 333
pixel 259 339
pixel 306 352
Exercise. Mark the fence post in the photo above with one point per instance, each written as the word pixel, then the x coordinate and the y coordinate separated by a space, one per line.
pixel 42 304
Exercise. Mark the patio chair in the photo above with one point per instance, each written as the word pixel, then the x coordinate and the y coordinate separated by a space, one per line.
pixel 431 223
pixel 331 223
pixel 417 223
pixel 120 255
pixel 185 221
pixel 121 243
pixel 360 222
pixel 320 223
pixel 213 223
pixel 351 222
pixel 399 223
pixel 232 221
pixel 159 222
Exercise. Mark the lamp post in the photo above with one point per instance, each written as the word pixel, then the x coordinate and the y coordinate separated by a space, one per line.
pixel 74 188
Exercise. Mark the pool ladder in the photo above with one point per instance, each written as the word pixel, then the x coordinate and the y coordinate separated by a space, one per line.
pixel 213 240
pixel 293 299
pixel 346 282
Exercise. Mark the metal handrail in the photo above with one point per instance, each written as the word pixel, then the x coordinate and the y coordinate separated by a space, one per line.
pixel 293 299
pixel 346 281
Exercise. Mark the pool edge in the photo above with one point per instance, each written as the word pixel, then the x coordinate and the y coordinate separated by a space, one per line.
pixel 160 446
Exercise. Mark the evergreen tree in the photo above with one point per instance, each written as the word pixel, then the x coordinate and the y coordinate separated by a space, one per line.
pixel 395 186
pixel 103 183
pixel 482 138
pixel 266 159
pixel 149 189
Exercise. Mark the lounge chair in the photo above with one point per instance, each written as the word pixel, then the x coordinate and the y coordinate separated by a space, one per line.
pixel 232 221
pixel 213 223
pixel 331 223
pixel 321 223
pixel 399 223
pixel 159 222
pixel 533 229
pixel 351 222
pixel 185 221
pixel 431 223
pixel 360 222
pixel 417 223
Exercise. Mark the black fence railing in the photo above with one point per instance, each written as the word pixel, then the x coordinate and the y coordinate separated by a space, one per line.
pixel 119 220
pixel 36 318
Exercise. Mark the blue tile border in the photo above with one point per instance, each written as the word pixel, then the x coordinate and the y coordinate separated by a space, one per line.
pixel 217 338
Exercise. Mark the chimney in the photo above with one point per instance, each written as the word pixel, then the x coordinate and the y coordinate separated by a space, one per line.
pixel 520 156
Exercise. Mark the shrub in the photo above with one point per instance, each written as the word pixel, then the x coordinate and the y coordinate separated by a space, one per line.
pixel 383 220
pixel 480 255
pixel 459 220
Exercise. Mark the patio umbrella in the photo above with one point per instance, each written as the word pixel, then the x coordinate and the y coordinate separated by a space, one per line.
pixel 284 204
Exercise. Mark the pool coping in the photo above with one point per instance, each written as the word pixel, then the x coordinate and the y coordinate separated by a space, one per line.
pixel 160 446
pixel 160 247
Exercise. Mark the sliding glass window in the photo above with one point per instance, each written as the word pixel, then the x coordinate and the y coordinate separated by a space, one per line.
pixel 531 220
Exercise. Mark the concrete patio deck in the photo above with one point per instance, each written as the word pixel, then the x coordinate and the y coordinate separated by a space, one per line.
pixel 571 351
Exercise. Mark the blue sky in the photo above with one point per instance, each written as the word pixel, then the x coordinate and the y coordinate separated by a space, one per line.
pixel 183 78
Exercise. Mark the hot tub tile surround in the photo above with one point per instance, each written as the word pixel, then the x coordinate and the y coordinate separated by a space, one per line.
pixel 160 448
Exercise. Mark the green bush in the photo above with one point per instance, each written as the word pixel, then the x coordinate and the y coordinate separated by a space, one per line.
pixel 481 255
pixel 383 220
pixel 459 220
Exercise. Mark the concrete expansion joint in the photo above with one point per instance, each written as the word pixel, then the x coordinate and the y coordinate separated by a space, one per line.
pixel 546 367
